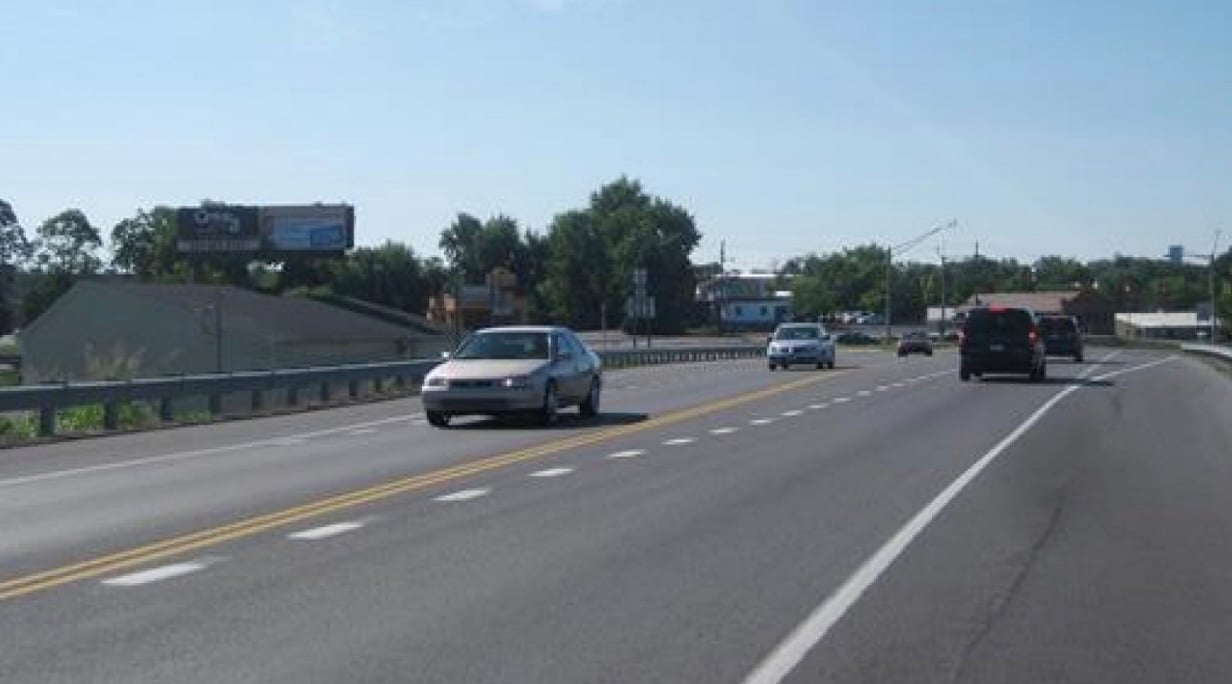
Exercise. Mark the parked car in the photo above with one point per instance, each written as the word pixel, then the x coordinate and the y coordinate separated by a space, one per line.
pixel 535 370
pixel 1001 340
pixel 1062 336
pixel 796 343
pixel 915 343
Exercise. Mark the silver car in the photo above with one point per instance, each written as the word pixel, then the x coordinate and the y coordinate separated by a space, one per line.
pixel 794 343
pixel 534 370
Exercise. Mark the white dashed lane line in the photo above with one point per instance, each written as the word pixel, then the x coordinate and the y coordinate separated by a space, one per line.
pixel 326 531
pixel 552 472
pixel 464 495
pixel 723 431
pixel 883 388
pixel 679 441
pixel 761 421
pixel 629 453
pixel 841 400
pixel 792 413
pixel 864 393
pixel 161 573
pixel 818 407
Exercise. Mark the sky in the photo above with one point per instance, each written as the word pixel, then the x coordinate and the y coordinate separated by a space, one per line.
pixel 785 127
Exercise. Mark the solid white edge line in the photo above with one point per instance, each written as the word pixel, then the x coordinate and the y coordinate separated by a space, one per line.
pixel 792 650
pixel 185 455
pixel 325 531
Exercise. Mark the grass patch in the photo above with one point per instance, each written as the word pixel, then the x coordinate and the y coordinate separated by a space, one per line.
pixel 9 378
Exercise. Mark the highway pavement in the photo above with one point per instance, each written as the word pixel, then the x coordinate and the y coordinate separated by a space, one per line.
pixel 882 522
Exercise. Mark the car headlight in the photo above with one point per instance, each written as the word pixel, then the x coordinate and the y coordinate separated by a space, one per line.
pixel 516 382
pixel 436 382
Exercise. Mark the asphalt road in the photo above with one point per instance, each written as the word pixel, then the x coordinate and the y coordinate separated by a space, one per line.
pixel 719 523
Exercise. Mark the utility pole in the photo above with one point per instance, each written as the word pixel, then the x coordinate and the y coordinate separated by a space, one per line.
pixel 903 248
pixel 1210 281
pixel 944 318
pixel 721 295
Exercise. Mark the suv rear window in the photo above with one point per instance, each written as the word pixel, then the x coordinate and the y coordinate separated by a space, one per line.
pixel 999 321
pixel 1057 324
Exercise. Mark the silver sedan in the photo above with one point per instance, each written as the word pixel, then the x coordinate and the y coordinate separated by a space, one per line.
pixel 534 370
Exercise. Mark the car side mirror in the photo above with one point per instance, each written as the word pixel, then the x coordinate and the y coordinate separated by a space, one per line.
pixel 825 338
pixel 564 355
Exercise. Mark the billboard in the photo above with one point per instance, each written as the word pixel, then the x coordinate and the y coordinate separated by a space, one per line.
pixel 308 228
pixel 315 228
pixel 217 228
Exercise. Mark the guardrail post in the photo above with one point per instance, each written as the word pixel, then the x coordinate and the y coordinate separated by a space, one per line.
pixel 400 382
pixel 325 392
pixel 378 385
pixel 165 410
pixel 111 415
pixel 353 389
pixel 293 396
pixel 215 404
pixel 258 400
pixel 47 421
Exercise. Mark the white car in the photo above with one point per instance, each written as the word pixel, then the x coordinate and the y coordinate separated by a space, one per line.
pixel 799 343
pixel 533 370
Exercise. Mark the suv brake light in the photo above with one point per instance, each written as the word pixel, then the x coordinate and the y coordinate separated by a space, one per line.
pixel 1033 335
pixel 962 338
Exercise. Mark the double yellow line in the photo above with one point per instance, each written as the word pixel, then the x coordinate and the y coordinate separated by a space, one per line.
pixel 175 546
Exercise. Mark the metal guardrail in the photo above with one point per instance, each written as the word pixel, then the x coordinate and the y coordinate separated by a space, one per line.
pixel 47 400
pixel 1223 353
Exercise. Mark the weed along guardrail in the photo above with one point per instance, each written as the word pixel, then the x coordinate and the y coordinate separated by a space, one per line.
pixel 251 391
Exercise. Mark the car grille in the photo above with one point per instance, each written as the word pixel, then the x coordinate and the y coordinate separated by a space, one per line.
pixel 472 384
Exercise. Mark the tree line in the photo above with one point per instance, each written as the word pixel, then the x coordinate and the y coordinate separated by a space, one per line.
pixel 855 279
pixel 577 272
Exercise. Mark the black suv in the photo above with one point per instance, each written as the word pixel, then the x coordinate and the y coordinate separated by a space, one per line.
pixel 1061 336
pixel 1001 340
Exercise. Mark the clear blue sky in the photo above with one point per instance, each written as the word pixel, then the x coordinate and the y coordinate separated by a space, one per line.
pixel 785 126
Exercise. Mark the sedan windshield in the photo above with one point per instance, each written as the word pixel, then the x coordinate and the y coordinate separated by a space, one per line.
pixel 504 345
pixel 809 333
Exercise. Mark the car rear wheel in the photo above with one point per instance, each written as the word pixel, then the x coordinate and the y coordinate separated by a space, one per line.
pixel 438 419
pixel 1078 357
pixel 964 374
pixel 590 407
pixel 772 366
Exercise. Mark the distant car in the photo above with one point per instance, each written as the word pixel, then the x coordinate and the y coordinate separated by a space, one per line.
pixel 532 370
pixel 1062 336
pixel 799 343
pixel 915 343
pixel 1001 340
pixel 857 338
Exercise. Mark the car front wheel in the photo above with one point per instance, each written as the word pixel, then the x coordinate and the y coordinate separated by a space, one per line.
pixel 438 419
pixel 590 407
pixel 551 406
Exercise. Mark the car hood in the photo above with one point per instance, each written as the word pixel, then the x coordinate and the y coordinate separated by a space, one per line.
pixel 486 369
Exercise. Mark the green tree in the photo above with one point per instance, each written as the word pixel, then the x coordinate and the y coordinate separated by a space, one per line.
pixel 144 246
pixel 15 250
pixel 66 249
pixel 69 243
